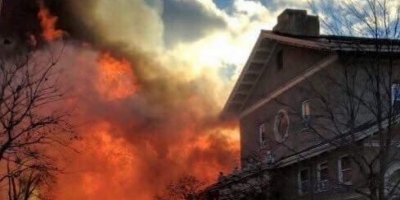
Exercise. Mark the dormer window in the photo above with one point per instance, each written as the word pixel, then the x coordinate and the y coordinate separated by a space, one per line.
pixel 279 60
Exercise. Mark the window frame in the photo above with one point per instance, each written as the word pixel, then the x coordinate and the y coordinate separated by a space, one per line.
pixel 393 93
pixel 305 109
pixel 340 170
pixel 389 174
pixel 319 181
pixel 305 114
pixel 261 134
pixel 300 182
pixel 395 96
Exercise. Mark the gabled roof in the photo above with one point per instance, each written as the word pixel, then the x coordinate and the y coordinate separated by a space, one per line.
pixel 258 59
pixel 265 46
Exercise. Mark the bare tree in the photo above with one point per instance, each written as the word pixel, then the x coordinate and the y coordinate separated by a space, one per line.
pixel 32 122
pixel 186 187
pixel 25 182
pixel 359 112
pixel 249 183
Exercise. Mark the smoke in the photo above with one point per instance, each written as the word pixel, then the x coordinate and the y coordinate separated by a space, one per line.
pixel 147 117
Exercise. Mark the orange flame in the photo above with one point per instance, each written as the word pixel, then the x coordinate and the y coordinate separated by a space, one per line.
pixel 134 148
pixel 116 169
pixel 116 80
pixel 48 24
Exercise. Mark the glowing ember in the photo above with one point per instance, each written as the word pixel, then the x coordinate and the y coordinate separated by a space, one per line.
pixel 116 79
pixel 48 24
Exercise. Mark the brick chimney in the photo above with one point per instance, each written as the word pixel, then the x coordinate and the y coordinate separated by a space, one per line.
pixel 297 22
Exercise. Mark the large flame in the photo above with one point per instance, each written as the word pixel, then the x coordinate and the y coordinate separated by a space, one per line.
pixel 116 79
pixel 134 144
pixel 142 126
pixel 48 23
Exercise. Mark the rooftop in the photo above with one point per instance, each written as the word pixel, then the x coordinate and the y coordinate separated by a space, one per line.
pixel 267 41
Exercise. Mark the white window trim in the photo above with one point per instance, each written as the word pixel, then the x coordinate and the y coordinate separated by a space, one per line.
pixel 319 175
pixel 299 182
pixel 340 170
pixel 304 115
pixel 389 172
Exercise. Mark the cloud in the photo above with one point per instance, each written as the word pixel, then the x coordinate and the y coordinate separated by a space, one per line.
pixel 283 4
pixel 223 50
pixel 188 21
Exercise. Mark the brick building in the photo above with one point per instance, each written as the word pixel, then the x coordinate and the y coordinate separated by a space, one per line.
pixel 288 149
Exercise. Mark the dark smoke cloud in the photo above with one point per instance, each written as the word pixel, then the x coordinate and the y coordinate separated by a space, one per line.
pixel 187 21
pixel 73 20
pixel 19 17
pixel 184 21
pixel 163 91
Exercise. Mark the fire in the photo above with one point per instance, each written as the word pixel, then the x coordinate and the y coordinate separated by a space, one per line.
pixel 140 133
pixel 106 168
pixel 48 24
pixel 113 167
pixel 116 79
pixel 133 147
pixel 117 158
pixel 207 144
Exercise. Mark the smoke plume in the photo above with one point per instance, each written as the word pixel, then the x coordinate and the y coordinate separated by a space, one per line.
pixel 145 116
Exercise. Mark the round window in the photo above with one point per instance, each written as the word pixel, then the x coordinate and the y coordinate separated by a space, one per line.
pixel 281 126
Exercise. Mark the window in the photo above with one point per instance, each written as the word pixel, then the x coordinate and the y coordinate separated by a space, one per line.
pixel 344 170
pixel 281 126
pixel 279 60
pixel 305 113
pixel 304 181
pixel 261 132
pixel 392 180
pixel 305 109
pixel 396 97
pixel 322 176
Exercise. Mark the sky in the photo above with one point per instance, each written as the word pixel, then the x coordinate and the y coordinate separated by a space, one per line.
pixel 216 35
